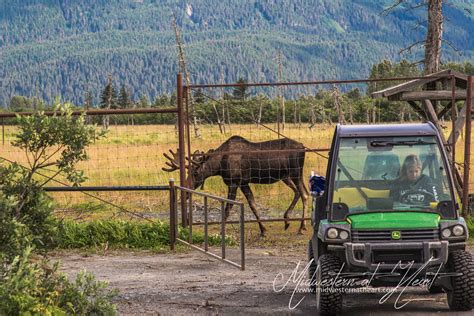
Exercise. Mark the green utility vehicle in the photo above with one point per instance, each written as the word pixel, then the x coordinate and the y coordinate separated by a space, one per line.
pixel 389 216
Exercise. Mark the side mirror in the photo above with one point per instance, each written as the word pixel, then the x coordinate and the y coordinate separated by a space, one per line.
pixel 339 211
pixel 445 208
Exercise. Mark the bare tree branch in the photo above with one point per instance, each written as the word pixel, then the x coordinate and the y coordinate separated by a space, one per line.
pixel 409 48
pixel 417 62
pixel 388 10
pixel 424 3
pixel 459 52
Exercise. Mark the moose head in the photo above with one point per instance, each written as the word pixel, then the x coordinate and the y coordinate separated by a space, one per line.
pixel 196 166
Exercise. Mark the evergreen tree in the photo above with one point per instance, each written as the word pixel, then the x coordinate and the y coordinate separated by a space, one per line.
pixel 240 92
pixel 88 104
pixel 108 99
pixel 123 101
pixel 143 103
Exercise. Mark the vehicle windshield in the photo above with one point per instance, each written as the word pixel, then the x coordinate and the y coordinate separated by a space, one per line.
pixel 390 173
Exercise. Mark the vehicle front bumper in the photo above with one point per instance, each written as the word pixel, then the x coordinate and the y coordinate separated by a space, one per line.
pixel 370 255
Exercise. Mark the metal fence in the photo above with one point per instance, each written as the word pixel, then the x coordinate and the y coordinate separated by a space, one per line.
pixel 124 176
pixel 222 117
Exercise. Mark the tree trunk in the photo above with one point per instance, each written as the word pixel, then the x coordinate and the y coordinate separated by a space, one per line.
pixel 351 118
pixel 433 36
pixel 402 113
pixel 259 119
pixel 218 118
pixel 295 114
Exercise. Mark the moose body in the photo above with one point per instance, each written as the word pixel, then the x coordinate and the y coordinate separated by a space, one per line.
pixel 240 162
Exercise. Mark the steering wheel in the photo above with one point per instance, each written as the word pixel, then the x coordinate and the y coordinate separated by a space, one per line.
pixel 417 197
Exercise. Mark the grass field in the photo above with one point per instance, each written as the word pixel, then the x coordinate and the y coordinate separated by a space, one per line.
pixel 133 155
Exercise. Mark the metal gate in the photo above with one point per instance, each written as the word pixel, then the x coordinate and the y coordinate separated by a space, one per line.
pixel 189 194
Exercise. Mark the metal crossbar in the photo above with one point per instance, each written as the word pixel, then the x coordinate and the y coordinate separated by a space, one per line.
pixel 174 223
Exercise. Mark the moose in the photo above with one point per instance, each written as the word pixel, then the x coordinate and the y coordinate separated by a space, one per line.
pixel 240 162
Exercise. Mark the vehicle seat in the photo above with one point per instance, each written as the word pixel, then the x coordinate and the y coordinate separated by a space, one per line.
pixel 379 166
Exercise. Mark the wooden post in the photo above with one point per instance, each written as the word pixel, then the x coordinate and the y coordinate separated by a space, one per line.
pixel 172 214
pixel 467 149
pixel 182 149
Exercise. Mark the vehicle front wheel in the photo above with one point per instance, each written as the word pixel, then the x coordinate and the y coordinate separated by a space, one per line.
pixel 328 298
pixel 312 268
pixel 461 297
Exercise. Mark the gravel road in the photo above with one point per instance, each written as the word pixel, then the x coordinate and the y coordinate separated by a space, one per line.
pixel 191 283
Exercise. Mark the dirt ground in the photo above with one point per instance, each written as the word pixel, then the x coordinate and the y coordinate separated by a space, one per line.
pixel 189 282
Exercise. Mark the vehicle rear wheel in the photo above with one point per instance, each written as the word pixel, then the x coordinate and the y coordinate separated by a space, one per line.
pixel 328 297
pixel 461 297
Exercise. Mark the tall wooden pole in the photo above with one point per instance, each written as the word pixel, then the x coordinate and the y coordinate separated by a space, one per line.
pixel 182 149
pixel 467 149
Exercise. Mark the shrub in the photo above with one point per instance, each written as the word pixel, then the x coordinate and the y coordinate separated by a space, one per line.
pixel 35 288
pixel 26 223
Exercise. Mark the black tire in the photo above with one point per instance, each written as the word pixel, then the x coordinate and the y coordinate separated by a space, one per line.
pixel 328 302
pixel 312 268
pixel 461 298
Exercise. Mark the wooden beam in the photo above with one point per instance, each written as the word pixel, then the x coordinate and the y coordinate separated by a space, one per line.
pixel 388 92
pixel 410 85
pixel 418 109
pixel 433 95
pixel 445 110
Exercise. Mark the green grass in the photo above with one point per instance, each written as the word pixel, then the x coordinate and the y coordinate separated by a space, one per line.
pixel 470 227
pixel 119 234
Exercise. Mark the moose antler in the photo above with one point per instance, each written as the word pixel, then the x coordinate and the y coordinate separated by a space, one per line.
pixel 173 163
pixel 197 158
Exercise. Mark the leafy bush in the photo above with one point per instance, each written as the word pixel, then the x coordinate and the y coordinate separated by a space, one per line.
pixel 35 288
pixel 52 145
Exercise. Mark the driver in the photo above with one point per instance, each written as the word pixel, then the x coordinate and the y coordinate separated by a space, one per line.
pixel 412 186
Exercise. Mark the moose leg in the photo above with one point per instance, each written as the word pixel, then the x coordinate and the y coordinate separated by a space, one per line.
pixel 232 193
pixel 249 196
pixel 292 186
pixel 304 197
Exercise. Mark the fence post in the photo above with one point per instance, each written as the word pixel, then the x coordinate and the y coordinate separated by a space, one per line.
pixel 242 238
pixel 467 149
pixel 223 229
pixel 172 214
pixel 182 151
pixel 3 131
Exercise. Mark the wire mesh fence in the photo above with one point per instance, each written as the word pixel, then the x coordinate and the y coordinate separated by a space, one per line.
pixel 129 154
pixel 260 113
pixel 264 117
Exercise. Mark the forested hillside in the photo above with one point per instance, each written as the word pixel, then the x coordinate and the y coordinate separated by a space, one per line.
pixel 61 47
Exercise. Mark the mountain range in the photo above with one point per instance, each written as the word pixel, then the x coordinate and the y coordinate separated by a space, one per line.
pixel 64 48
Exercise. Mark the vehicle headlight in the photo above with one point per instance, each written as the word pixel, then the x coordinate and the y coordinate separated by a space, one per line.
pixel 343 234
pixel 332 233
pixel 458 230
pixel 446 233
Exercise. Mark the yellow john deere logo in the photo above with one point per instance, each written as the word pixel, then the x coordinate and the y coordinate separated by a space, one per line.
pixel 396 234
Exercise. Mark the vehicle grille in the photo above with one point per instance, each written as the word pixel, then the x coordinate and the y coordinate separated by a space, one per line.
pixel 386 235
pixel 397 256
